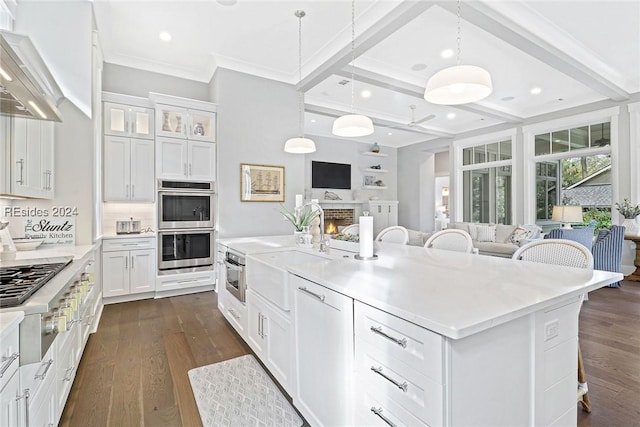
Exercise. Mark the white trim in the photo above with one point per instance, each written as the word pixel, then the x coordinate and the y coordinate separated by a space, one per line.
pixel 119 98
pixel 176 101
pixel 634 150
pixel 572 121
pixel 486 139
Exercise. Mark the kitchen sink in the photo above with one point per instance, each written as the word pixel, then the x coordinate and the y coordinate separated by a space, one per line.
pixel 267 273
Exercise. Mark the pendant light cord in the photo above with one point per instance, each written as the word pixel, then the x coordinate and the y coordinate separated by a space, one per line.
pixel 300 14
pixel 459 39
pixel 353 51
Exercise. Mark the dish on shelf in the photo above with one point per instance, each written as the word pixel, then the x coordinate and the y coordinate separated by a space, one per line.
pixel 26 244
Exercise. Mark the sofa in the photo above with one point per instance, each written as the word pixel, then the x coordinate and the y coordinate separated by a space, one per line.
pixel 499 240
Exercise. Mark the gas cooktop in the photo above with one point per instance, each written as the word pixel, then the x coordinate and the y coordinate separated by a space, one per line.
pixel 18 283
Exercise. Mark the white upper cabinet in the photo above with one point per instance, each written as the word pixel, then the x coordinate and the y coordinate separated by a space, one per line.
pixel 185 160
pixel 128 120
pixel 32 171
pixel 177 122
pixel 128 169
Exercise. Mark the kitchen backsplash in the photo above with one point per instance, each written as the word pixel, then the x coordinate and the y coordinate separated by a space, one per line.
pixel 112 212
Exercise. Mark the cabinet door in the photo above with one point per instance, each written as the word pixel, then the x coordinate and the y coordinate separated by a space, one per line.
pixel 47 141
pixel 323 320
pixel 202 126
pixel 172 158
pixel 116 119
pixel 142 170
pixel 117 169
pixel 171 121
pixel 380 217
pixel 115 273
pixel 392 216
pixel 27 158
pixel 44 412
pixel 142 123
pixel 256 320
pixel 143 271
pixel 276 329
pixel 9 405
pixel 202 161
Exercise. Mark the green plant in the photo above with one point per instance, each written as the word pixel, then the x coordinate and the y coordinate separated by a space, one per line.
pixel 347 237
pixel 602 218
pixel 300 219
pixel 628 210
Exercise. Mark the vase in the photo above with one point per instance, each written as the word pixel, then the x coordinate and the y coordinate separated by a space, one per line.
pixel 631 226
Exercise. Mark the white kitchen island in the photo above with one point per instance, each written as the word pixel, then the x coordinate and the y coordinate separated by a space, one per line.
pixel 428 337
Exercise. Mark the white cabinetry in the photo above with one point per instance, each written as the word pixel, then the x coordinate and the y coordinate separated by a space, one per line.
pixel 323 354
pixel 385 214
pixel 186 160
pixel 32 156
pixel 127 120
pixel 129 268
pixel 185 123
pixel 128 169
pixel 11 403
pixel 269 335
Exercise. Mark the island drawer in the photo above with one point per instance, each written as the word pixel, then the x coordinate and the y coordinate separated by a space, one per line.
pixel 9 359
pixel 34 375
pixel 420 349
pixel 386 377
pixel 129 244
pixel 377 411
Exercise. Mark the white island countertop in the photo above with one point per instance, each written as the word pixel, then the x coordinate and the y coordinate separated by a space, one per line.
pixel 450 293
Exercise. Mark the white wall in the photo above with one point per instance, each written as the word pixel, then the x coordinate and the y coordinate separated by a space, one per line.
pixel 62 33
pixel 255 118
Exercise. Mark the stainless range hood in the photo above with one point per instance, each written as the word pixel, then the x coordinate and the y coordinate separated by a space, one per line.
pixel 27 88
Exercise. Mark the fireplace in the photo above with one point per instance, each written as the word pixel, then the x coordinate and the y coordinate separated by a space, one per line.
pixel 336 219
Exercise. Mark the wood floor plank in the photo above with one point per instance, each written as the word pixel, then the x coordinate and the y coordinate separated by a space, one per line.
pixel 180 362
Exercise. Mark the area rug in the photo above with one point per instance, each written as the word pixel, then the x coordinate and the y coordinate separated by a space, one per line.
pixel 238 392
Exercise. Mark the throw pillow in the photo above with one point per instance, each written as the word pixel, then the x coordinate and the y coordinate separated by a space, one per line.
pixel 533 229
pixel 486 233
pixel 473 231
pixel 519 234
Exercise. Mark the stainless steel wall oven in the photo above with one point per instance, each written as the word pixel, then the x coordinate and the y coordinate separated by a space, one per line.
pixel 185 250
pixel 183 205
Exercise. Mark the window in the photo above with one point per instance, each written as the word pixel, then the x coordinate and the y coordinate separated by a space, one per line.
pixel 486 182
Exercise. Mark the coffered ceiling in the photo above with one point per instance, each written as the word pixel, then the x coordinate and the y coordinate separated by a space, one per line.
pixel 575 52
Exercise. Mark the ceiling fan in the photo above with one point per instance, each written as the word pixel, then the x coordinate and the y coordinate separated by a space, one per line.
pixel 415 122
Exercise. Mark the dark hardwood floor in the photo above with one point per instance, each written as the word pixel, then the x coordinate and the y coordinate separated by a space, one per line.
pixel 134 368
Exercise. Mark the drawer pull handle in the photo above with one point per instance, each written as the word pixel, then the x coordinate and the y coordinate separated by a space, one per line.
pixel 401 342
pixel 378 412
pixel 44 374
pixel 402 386
pixel 313 294
pixel 7 362
pixel 233 313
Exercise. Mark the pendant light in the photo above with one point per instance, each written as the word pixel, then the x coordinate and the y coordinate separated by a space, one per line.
pixel 300 144
pixel 459 84
pixel 351 125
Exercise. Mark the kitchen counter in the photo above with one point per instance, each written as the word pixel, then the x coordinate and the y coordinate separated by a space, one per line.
pixel 39 301
pixel 10 320
pixel 450 293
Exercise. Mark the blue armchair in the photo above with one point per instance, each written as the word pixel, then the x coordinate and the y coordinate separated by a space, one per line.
pixel 584 236
pixel 607 250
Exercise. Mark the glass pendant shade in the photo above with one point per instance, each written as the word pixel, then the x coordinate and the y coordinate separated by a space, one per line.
pixel 352 125
pixel 299 145
pixel 460 84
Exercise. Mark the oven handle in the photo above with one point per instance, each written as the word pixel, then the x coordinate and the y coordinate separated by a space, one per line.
pixel 233 266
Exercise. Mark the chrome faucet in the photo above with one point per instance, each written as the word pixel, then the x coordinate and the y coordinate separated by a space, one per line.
pixel 324 244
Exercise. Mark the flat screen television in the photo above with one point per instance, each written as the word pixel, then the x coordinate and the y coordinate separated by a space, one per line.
pixel 330 175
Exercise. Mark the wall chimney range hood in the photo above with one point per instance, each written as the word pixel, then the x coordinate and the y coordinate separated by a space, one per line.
pixel 27 88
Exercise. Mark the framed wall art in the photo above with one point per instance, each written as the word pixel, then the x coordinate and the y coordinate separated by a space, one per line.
pixel 261 183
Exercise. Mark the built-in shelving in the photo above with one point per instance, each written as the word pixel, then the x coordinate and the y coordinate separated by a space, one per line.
pixel 374 187
pixel 372 154
pixel 375 170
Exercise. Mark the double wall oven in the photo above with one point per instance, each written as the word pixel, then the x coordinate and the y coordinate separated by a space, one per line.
pixel 186 224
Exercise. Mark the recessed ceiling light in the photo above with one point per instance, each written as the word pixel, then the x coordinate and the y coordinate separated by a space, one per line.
pixel 535 91
pixel 390 133
pixel 165 36
pixel 227 2
pixel 507 98
pixel 447 53
pixel 365 93
pixel 418 67
pixel 313 120
pixel 451 116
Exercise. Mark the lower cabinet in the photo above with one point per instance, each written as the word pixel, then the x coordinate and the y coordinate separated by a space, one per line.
pixel 67 362
pixel 129 267
pixel 323 322
pixel 10 403
pixel 269 335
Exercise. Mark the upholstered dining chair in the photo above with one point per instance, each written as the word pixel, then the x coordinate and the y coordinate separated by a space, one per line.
pixel 394 234
pixel 607 250
pixel 570 254
pixel 450 240
pixel 351 229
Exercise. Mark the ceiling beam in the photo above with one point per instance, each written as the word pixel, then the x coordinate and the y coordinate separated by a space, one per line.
pixel 386 82
pixel 488 18
pixel 389 24
pixel 331 112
